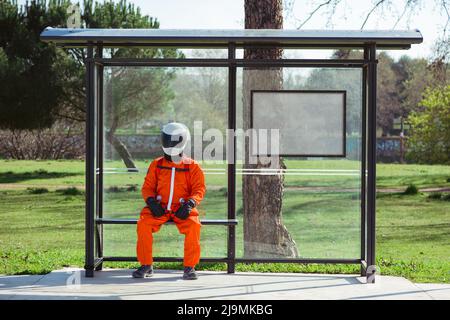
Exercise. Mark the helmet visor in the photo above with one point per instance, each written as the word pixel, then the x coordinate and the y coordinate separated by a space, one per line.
pixel 170 141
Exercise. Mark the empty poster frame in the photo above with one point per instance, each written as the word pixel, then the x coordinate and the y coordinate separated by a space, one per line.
pixel 272 118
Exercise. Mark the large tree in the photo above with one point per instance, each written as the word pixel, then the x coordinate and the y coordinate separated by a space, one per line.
pixel 264 232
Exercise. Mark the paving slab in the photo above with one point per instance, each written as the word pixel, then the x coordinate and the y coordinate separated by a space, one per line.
pixel 8 283
pixel 436 291
pixel 70 283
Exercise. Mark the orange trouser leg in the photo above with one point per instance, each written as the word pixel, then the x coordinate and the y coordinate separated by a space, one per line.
pixel 146 226
pixel 191 229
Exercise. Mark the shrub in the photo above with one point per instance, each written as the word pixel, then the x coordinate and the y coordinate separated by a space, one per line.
pixel 128 188
pixel 411 190
pixel 132 187
pixel 57 142
pixel 435 196
pixel 72 191
pixel 446 197
pixel 224 191
pixel 113 189
pixel 40 172
pixel 37 190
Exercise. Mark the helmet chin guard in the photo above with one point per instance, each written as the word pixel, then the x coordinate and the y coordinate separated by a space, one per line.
pixel 174 138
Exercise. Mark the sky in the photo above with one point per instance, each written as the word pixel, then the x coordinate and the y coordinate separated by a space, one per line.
pixel 429 18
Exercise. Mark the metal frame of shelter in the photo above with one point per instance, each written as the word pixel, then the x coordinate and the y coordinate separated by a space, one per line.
pixel 97 39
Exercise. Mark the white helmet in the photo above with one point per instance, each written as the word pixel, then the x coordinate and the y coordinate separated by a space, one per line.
pixel 174 138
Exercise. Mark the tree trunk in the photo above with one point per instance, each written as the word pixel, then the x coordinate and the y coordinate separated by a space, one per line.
pixel 113 123
pixel 265 236
pixel 121 149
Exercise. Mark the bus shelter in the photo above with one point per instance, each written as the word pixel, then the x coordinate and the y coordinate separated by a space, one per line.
pixel 316 205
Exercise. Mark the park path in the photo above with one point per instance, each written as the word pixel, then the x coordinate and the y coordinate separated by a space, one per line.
pixel 22 186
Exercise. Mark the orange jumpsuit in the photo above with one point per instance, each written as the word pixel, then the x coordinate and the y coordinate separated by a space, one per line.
pixel 170 182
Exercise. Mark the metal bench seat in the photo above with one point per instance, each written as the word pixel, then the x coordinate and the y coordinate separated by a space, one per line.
pixel 216 222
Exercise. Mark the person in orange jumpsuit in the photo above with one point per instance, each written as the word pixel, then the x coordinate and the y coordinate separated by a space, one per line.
pixel 173 187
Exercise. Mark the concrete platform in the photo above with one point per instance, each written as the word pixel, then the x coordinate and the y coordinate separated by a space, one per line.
pixel 167 284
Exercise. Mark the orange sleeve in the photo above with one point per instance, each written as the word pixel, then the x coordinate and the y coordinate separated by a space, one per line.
pixel 150 182
pixel 198 187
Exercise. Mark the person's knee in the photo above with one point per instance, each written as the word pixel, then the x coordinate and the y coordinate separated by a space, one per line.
pixel 142 227
pixel 194 225
pixel 190 228
pixel 197 225
pixel 194 230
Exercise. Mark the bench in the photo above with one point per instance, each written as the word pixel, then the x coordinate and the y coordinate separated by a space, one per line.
pixel 226 222
pixel 98 262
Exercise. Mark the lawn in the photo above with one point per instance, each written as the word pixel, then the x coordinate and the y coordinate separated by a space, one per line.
pixel 43 225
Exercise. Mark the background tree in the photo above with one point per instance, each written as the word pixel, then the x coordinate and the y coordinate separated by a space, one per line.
pixel 201 91
pixel 130 94
pixel 419 77
pixel 412 76
pixel 341 79
pixel 389 102
pixel 388 93
pixel 264 232
pixel 374 8
pixel 41 84
pixel 429 140
pixel 30 86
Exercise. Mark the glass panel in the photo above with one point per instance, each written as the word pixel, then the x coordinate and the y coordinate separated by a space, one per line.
pixel 138 101
pixel 319 197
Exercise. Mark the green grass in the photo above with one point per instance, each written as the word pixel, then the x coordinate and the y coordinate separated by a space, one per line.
pixel 45 231
pixel 54 174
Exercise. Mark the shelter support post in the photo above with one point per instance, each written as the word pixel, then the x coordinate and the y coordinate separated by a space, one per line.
pixel 231 154
pixel 364 164
pixel 99 159
pixel 371 162
pixel 90 162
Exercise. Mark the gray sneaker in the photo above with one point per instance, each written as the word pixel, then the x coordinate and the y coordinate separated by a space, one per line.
pixel 190 274
pixel 143 272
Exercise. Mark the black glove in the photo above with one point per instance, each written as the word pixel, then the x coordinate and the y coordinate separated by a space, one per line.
pixel 155 207
pixel 184 211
